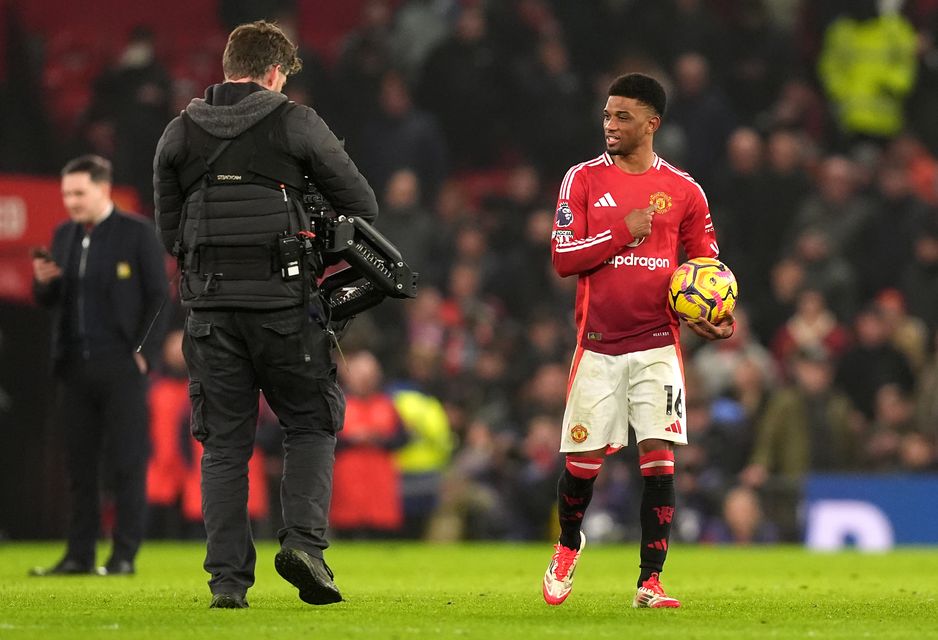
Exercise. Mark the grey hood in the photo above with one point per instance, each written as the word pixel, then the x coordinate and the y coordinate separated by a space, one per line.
pixel 230 121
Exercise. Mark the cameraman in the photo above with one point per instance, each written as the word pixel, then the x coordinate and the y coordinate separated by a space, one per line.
pixel 229 176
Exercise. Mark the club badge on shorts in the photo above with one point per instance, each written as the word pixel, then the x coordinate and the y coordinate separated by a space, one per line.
pixel 579 433
pixel 123 270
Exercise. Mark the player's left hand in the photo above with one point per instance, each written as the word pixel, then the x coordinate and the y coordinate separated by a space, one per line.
pixel 719 331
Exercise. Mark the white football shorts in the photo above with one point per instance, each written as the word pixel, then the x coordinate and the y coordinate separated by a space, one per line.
pixel 607 394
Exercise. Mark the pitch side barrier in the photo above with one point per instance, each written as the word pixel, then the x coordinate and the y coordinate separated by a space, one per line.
pixel 870 512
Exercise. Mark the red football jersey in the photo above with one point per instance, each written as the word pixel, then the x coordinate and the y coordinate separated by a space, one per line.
pixel 622 294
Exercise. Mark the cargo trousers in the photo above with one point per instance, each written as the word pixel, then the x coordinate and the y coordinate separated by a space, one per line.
pixel 231 355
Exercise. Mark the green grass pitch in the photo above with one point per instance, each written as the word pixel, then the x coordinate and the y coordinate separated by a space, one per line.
pixel 489 591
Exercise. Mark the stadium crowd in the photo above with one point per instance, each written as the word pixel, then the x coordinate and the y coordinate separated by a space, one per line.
pixel 810 125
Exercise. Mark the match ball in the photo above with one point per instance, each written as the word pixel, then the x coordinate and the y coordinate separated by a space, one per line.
pixel 703 288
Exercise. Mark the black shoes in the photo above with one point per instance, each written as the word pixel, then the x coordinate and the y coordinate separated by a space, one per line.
pixel 309 574
pixel 117 568
pixel 66 567
pixel 305 572
pixel 228 601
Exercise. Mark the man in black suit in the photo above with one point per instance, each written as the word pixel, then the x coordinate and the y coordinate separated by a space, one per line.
pixel 105 282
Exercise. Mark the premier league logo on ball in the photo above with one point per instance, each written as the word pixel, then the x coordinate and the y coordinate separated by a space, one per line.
pixel 564 215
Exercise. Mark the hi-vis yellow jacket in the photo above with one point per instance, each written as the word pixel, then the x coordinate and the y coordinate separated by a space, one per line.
pixel 868 68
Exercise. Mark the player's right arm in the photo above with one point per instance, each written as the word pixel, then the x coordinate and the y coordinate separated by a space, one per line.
pixel 580 245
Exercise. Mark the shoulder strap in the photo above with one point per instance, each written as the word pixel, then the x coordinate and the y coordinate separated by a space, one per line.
pixel 183 216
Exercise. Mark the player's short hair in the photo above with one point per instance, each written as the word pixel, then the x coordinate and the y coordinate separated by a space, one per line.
pixel 640 87
pixel 255 47
pixel 98 168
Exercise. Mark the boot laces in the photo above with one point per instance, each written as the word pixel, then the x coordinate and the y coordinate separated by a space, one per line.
pixel 563 559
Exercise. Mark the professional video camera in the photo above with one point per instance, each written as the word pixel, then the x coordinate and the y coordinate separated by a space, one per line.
pixel 376 270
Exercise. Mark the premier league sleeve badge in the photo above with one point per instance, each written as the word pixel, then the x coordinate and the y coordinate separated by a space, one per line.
pixel 564 215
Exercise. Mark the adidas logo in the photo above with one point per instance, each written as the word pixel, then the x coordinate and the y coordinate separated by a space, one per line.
pixel 605 201
pixel 660 545
pixel 675 427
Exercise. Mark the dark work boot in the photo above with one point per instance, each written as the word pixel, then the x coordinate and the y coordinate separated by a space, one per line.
pixel 228 601
pixel 309 574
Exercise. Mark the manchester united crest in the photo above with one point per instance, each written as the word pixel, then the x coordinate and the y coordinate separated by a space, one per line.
pixel 661 200
pixel 579 433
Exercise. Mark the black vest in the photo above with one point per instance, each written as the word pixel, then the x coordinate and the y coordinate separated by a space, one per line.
pixel 242 195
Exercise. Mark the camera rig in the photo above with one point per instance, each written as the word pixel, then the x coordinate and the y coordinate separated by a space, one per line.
pixel 376 270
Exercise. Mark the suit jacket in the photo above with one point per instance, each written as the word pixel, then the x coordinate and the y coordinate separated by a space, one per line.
pixel 125 262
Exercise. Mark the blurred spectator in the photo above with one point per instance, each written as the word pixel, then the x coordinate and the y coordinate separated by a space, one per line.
pixel 452 212
pixel 694 27
pixel 531 480
pixel 405 221
pixel 893 423
pixel 544 393
pixel 800 108
pixel 471 506
pixel 926 409
pixel 519 27
pixel 812 326
pixel 460 83
pixel 872 362
pixel 544 340
pixel 712 459
pixel 366 499
pixel 920 279
pixel 919 164
pixel 917 453
pixel 783 185
pixel 424 459
pixel 315 87
pixel 907 333
pixel 836 207
pixel 133 97
pixel 548 92
pixel 742 522
pixel 717 362
pixel 171 466
pixel 397 137
pixel 827 271
pixel 174 493
pixel 705 115
pixel 419 25
pixel 772 306
pixel 867 66
pixel 470 315
pixel 362 63
pixel 28 141
pixel 749 395
pixel 880 261
pixel 923 103
pixel 758 58
pixel 505 215
pixel 525 281
pixel 738 196
pixel 807 426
